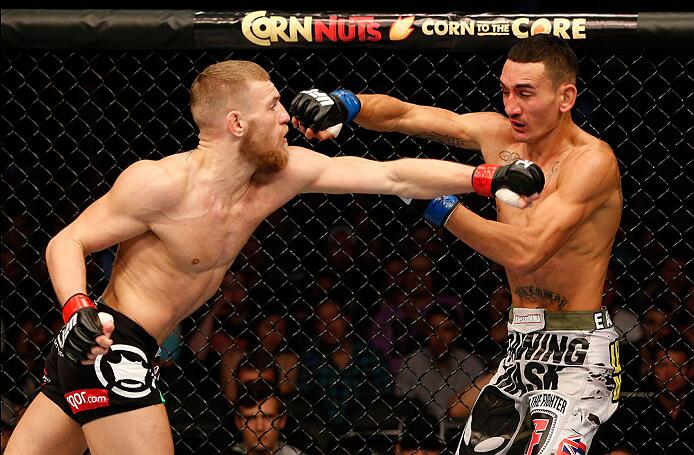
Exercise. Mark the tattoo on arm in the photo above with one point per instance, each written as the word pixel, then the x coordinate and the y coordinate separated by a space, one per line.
pixel 534 292
pixel 442 138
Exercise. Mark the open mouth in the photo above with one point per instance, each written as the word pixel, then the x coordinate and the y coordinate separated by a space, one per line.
pixel 517 125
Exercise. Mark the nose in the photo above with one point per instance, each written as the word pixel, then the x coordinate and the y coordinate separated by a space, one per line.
pixel 511 106
pixel 284 116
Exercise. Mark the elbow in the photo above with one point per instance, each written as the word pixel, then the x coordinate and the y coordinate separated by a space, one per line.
pixel 525 262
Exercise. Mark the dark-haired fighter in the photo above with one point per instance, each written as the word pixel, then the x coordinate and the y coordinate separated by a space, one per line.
pixel 562 364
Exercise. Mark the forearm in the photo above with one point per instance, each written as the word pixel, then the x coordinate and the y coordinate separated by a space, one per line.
pixel 507 245
pixel 66 267
pixel 426 178
pixel 381 113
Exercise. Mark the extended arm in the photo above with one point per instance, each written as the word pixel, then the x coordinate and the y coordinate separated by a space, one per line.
pixel 314 111
pixel 411 178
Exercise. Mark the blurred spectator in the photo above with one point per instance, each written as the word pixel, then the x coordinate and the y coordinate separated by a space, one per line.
pixel 223 327
pixel 260 418
pixel 492 346
pixel 434 374
pixel 270 339
pixel 339 369
pixel 394 328
pixel 257 365
pixel 660 425
pixel 620 451
pixel 668 289
pixel 657 326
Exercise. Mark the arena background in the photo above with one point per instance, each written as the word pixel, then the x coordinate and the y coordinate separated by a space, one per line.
pixel 74 118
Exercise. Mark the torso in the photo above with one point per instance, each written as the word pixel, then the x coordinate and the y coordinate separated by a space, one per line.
pixel 573 278
pixel 163 275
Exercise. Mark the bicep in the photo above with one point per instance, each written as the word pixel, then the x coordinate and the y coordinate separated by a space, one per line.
pixel 120 214
pixel 348 174
pixel 469 131
pixel 104 224
pixel 580 192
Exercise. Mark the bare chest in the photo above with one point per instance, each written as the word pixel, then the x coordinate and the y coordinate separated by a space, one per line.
pixel 200 239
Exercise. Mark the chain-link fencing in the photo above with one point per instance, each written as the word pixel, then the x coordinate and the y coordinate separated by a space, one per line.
pixel 388 283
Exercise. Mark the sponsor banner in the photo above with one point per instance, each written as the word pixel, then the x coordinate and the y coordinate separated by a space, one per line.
pixel 271 29
pixel 86 399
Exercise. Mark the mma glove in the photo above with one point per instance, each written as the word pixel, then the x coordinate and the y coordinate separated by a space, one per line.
pixel 522 177
pixel 318 110
pixel 82 326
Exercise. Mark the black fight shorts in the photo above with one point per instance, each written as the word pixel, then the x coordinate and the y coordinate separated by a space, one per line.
pixel 122 380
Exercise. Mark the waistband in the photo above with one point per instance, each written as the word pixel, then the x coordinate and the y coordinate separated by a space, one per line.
pixel 126 325
pixel 527 320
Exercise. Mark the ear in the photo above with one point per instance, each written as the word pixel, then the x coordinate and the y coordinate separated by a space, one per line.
pixel 238 422
pixel 234 124
pixel 568 93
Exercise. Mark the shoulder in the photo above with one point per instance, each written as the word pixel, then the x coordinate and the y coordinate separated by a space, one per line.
pixel 150 182
pixel 594 164
pixel 492 123
pixel 302 165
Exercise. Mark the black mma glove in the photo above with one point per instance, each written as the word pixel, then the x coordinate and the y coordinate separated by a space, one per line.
pixel 82 326
pixel 522 177
pixel 319 110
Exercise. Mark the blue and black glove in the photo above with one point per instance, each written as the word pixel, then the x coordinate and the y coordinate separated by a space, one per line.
pixel 318 110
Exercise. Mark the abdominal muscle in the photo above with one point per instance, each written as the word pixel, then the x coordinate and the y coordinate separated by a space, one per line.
pixel 148 287
pixel 570 283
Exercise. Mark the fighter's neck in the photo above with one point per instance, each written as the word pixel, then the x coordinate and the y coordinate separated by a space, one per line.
pixel 561 139
pixel 219 166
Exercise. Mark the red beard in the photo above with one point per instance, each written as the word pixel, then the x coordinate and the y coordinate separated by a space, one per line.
pixel 263 158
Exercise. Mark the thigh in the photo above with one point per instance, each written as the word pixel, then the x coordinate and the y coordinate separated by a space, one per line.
pixel 143 431
pixel 45 428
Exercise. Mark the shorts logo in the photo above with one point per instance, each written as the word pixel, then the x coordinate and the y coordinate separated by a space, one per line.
pixel 544 423
pixel 573 445
pixel 536 437
pixel 528 320
pixel 63 334
pixel 45 379
pixel 126 371
pixel 86 399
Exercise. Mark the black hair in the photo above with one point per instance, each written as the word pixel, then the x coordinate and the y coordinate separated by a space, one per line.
pixel 559 59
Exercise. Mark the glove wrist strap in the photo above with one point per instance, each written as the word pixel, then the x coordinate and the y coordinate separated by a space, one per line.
pixel 350 101
pixel 439 210
pixel 75 303
pixel 482 178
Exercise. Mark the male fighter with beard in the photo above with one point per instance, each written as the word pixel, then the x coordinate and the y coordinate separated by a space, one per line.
pixel 562 364
pixel 180 222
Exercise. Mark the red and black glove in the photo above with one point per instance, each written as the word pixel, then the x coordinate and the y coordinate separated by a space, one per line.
pixel 82 326
pixel 523 177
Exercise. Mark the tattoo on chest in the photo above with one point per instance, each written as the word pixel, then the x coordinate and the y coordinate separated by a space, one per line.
pixel 555 166
pixel 444 139
pixel 509 157
pixel 535 292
